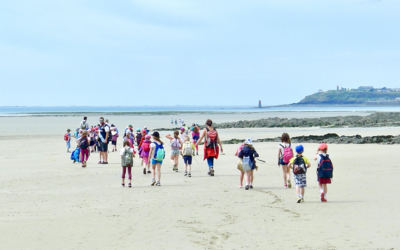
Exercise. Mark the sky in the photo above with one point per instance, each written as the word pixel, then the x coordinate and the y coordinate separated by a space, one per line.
pixel 193 52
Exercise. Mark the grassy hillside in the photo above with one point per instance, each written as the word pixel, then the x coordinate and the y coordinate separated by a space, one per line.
pixel 348 97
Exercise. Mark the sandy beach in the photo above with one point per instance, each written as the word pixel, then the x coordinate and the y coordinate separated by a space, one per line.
pixel 50 203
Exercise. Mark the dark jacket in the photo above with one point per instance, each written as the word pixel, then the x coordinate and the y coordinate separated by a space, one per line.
pixel 247 151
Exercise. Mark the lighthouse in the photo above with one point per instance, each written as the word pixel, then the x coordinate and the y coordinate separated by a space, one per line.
pixel 259 104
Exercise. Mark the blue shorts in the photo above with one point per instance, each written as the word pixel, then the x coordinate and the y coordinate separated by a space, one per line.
pixel 68 144
pixel 283 163
pixel 175 152
pixel 154 162
pixel 300 180
pixel 187 159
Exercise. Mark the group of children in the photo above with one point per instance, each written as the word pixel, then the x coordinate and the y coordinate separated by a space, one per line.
pixel 299 165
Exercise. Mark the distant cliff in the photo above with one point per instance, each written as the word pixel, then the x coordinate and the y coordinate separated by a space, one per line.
pixel 343 97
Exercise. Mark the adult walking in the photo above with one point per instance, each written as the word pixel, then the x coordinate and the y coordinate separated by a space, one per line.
pixel 212 145
pixel 104 131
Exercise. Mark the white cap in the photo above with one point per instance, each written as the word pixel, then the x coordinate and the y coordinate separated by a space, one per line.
pixel 145 127
pixel 249 141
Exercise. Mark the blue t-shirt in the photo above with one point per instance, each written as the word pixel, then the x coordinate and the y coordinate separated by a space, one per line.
pixel 69 137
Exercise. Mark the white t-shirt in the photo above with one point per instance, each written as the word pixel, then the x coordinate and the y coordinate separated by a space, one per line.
pixel 284 145
pixel 106 129
pixel 182 136
pixel 123 150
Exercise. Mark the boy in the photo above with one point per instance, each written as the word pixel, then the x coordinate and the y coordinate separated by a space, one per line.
pixel 187 152
pixel 67 138
pixel 299 164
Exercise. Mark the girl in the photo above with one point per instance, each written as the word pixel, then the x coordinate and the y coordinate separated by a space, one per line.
pixel 195 137
pixel 157 155
pixel 144 153
pixel 91 137
pixel 211 149
pixel 128 138
pixel 285 153
pixel 115 136
pixel 83 143
pixel 127 155
pixel 176 145
pixel 183 134
pixel 187 152
pixel 323 161
pixel 247 154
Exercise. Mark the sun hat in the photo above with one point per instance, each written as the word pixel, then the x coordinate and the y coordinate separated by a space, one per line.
pixel 249 141
pixel 147 137
pixel 144 131
pixel 89 130
pixel 183 129
pixel 145 127
pixel 130 126
pixel 323 146
pixel 80 130
pixel 156 134
pixel 299 149
pixel 193 124
pixel 138 129
pixel 127 132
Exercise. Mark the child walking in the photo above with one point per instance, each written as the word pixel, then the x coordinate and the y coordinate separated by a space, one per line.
pixel 300 164
pixel 196 137
pixel 324 170
pixel 285 153
pixel 187 152
pixel 176 145
pixel 114 139
pixel 247 155
pixel 67 139
pixel 157 155
pixel 84 143
pixel 127 155
pixel 239 166
pixel 144 154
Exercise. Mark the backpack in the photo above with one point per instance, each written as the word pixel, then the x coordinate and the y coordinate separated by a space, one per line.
pixel 127 160
pixel 83 124
pixel 138 138
pixel 325 167
pixel 287 154
pixel 146 146
pixel 175 144
pixel 196 137
pixel 212 138
pixel 84 144
pixel 66 137
pixel 299 166
pixel 187 150
pixel 246 163
pixel 159 153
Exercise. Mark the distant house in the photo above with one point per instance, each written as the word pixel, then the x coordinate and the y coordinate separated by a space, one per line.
pixel 366 88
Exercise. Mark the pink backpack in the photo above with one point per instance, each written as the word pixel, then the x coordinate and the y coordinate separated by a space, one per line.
pixel 287 154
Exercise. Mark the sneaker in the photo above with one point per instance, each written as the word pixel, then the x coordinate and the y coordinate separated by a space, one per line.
pixel 302 199
pixel 185 173
pixel 285 186
pixel 153 182
pixel 289 184
pixel 130 185
pixel 144 170
pixel 240 186
pixel 158 183
pixel 212 171
pixel 74 161
pixel 148 171
pixel 251 186
pixel 298 200
pixel 174 168
pixel 197 153
pixel 190 175
pixel 322 197
pixel 209 173
pixel 247 187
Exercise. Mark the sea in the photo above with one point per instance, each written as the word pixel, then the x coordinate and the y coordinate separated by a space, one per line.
pixel 28 111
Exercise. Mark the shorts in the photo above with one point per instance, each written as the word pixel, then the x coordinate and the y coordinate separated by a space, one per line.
pixel 154 162
pixel 175 152
pixel 283 163
pixel 300 180
pixel 68 144
pixel 324 180
pixel 114 143
pixel 187 159
pixel 92 143
pixel 145 159
pixel 103 147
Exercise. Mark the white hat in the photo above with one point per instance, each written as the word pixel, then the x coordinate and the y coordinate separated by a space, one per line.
pixel 249 141
pixel 145 127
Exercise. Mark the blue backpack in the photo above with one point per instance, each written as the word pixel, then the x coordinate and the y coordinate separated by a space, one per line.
pixel 325 168
pixel 159 152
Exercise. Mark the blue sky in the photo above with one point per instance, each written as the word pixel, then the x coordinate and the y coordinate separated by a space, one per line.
pixel 189 52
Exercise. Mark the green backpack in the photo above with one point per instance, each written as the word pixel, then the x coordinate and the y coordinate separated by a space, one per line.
pixel 159 153
pixel 127 159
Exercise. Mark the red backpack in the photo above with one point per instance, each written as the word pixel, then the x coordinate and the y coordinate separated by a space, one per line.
pixel 146 146
pixel 212 138
pixel 66 137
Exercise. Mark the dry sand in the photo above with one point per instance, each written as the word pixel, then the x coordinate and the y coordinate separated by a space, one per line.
pixel 49 203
